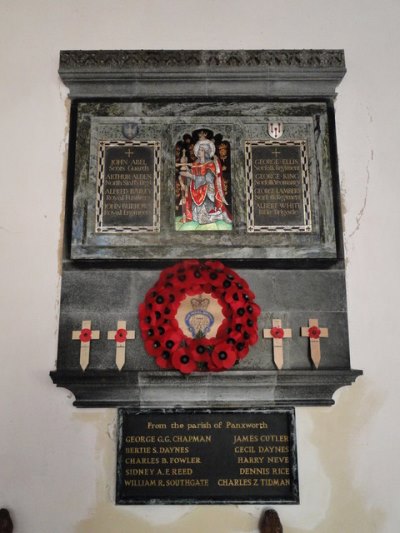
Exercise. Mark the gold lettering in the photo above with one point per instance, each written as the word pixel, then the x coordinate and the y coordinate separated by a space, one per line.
pixel 232 482
pixel 278 187
pixel 280 471
pixel 252 460
pixel 142 460
pixel 276 460
pixel 244 438
pixel 150 425
pixel 275 482
pixel 262 471
pixel 131 439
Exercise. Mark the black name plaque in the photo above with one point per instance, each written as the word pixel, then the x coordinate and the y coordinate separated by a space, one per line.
pixel 207 457
pixel 128 188
pixel 278 192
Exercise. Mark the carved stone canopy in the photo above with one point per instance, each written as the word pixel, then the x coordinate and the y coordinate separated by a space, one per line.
pixel 155 74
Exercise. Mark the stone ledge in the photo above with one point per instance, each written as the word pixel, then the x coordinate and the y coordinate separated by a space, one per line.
pixel 243 389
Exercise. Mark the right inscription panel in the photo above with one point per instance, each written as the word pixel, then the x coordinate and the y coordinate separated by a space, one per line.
pixel 277 187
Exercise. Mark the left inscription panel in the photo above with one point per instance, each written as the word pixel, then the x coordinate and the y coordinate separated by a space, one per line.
pixel 128 187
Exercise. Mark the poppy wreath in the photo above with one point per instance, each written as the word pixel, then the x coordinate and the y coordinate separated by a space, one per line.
pixel 165 341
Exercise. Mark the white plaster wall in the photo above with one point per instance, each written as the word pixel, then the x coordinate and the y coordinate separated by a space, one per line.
pixel 57 462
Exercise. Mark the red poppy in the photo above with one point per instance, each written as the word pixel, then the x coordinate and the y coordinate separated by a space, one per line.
pixel 199 350
pixel 173 324
pixel 277 333
pixel 172 338
pixel 223 328
pixel 182 361
pixel 242 349
pixel 253 309
pixel 120 335
pixel 231 274
pixel 147 318
pixel 212 368
pixel 153 347
pixel 314 332
pixel 207 288
pixel 242 284
pixel 237 332
pixel 168 273
pixel 86 335
pixel 250 335
pixel 181 281
pixel 233 296
pixel 194 289
pixel 244 330
pixel 213 277
pixel 165 299
pixel 239 310
pixel 164 360
pixel 194 275
pixel 247 295
pixel 224 355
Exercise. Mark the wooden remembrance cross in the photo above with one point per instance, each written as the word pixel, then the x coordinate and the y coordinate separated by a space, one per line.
pixel 121 335
pixel 85 335
pixel 277 333
pixel 314 332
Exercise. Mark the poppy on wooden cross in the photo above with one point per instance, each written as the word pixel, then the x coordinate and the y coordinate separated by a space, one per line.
pixel 277 333
pixel 120 336
pixel 85 335
pixel 314 332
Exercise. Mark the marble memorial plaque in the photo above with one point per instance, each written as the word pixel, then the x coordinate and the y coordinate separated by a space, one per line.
pixel 168 184
pixel 128 187
pixel 203 457
pixel 278 189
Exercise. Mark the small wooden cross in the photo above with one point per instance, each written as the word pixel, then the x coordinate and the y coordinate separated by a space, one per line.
pixel 314 332
pixel 85 335
pixel 120 336
pixel 277 333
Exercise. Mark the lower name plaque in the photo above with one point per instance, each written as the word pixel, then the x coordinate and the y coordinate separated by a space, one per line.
pixel 207 457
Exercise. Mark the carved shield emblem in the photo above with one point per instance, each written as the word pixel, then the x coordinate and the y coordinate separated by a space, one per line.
pixel 130 130
pixel 275 129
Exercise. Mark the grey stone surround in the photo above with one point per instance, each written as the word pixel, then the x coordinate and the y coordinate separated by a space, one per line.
pixel 104 279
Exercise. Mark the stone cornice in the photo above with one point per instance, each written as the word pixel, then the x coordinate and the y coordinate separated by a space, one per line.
pixel 208 59
pixel 151 74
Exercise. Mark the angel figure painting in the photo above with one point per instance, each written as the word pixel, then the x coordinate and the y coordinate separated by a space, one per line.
pixel 202 186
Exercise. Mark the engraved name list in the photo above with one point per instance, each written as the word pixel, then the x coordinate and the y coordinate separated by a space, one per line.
pixel 278 196
pixel 218 456
pixel 127 187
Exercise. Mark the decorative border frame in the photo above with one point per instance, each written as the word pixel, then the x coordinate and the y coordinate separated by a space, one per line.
pixel 100 228
pixel 251 227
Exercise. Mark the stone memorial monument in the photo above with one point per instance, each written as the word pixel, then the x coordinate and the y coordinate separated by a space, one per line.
pixel 203 290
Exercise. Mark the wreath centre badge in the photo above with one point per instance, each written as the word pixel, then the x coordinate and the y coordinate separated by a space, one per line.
pixel 199 316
